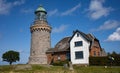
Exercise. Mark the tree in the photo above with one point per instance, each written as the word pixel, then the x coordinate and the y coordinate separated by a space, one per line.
pixel 108 54
pixel 11 56
pixel 114 53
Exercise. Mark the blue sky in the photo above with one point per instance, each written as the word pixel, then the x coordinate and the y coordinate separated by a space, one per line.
pixel 99 17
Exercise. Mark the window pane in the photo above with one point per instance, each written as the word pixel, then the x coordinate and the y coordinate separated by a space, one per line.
pixel 78 43
pixel 79 55
pixel 77 34
pixel 98 53
pixel 94 53
pixel 68 56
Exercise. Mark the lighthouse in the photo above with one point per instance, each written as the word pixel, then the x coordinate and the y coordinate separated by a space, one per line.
pixel 40 37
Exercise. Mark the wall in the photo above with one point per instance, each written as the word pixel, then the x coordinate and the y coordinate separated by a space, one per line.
pixel 54 57
pixel 84 48
pixel 95 49
pixel 49 58
pixel 40 43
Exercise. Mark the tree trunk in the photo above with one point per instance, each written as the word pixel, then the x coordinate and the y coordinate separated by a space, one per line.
pixel 10 63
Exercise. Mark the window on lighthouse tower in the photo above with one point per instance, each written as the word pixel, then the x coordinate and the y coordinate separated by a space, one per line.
pixel 41 16
pixel 40 13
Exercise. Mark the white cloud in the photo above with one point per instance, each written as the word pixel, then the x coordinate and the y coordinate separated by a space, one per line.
pixel 65 13
pixel 70 11
pixel 115 36
pixel 97 10
pixel 107 25
pixel 5 6
pixel 26 10
pixel 110 24
pixel 53 12
pixel 60 29
pixel 18 2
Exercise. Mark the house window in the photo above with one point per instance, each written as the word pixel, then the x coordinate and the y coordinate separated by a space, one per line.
pixel 98 53
pixel 79 55
pixel 68 56
pixel 94 53
pixel 77 34
pixel 78 43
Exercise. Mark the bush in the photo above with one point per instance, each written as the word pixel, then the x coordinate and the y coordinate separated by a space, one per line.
pixel 102 61
pixel 98 61
pixel 116 61
pixel 60 63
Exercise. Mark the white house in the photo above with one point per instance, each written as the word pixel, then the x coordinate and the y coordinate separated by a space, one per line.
pixel 76 48
pixel 79 48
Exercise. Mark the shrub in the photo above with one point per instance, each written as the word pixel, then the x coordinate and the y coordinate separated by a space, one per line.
pixel 98 61
pixel 60 63
pixel 102 61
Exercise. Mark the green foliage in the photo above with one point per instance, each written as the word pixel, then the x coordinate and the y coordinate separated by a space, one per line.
pixel 11 56
pixel 104 61
pixel 113 54
pixel 113 59
pixel 98 61
pixel 60 63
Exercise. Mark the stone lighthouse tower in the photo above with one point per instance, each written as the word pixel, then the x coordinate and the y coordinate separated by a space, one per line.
pixel 40 37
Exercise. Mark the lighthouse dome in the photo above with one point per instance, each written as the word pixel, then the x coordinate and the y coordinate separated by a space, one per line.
pixel 40 9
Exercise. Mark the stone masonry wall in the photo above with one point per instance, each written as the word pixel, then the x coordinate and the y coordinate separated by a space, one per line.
pixel 40 43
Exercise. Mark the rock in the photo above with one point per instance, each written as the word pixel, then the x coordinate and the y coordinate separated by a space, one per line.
pixel 23 67
pixel 105 66
pixel 65 65
pixel 70 66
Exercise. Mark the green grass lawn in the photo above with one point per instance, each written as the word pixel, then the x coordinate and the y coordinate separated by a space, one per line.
pixel 59 69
